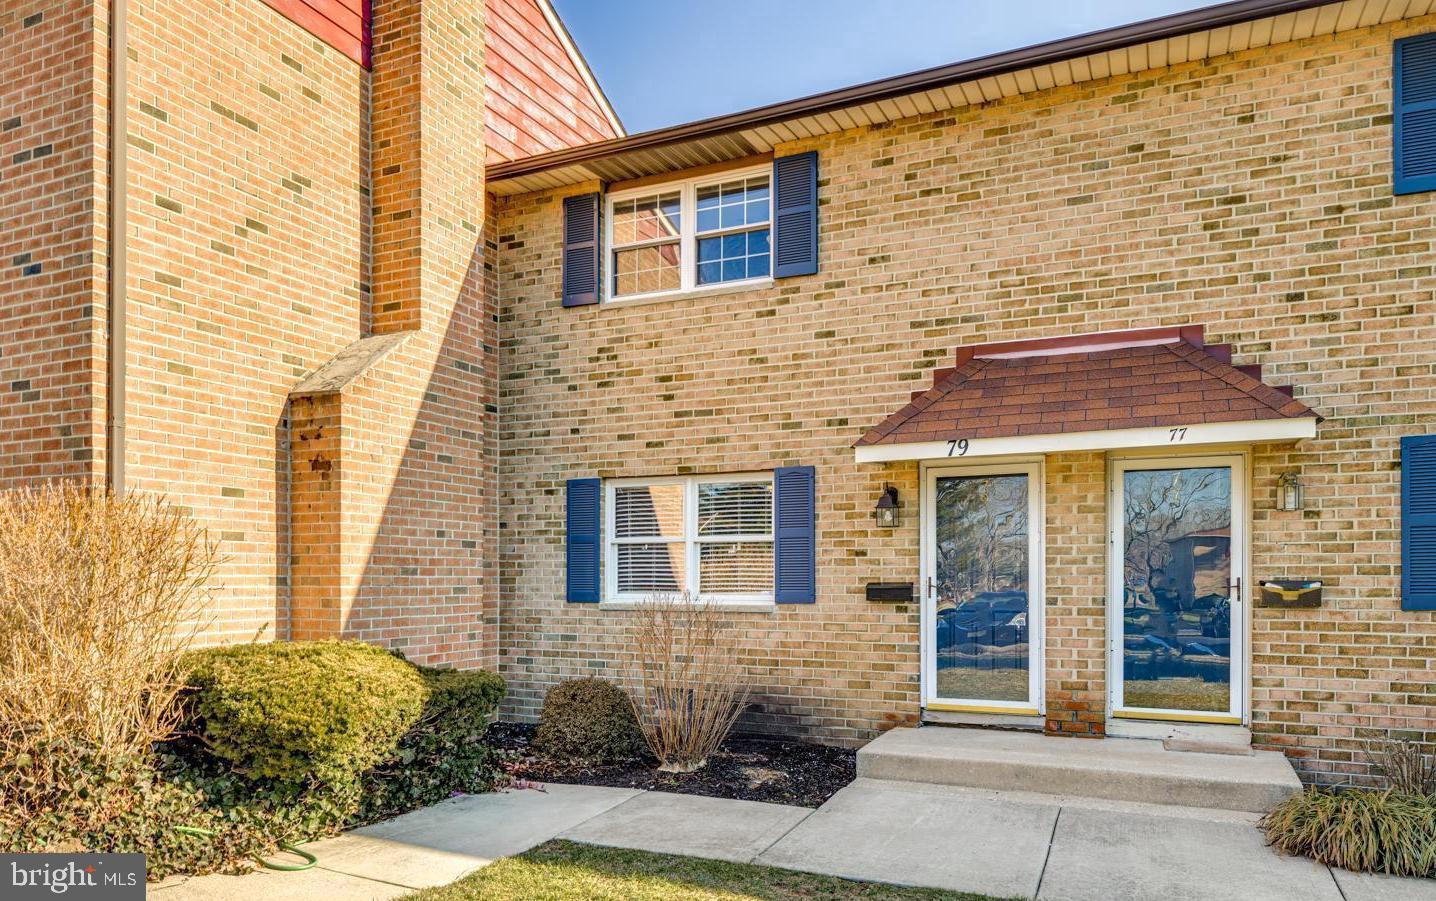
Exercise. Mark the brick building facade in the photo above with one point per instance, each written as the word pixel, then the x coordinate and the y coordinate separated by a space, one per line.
pixel 1249 192
pixel 372 365
pixel 304 197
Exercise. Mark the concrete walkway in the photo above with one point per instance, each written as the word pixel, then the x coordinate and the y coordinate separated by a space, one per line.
pixel 1006 844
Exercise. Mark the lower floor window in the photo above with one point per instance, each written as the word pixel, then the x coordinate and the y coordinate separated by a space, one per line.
pixel 705 536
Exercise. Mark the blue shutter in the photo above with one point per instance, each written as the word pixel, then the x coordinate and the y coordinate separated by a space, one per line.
pixel 584 500
pixel 1418 522
pixel 794 555
pixel 1414 114
pixel 580 250
pixel 795 215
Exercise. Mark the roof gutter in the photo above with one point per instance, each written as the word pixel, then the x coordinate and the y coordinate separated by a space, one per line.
pixel 115 293
pixel 926 79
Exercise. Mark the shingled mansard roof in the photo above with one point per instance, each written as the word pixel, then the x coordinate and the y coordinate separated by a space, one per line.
pixel 1159 386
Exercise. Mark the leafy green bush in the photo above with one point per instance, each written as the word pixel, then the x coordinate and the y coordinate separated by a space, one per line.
pixel 588 719
pixel 1365 831
pixel 281 742
pixel 119 805
pixel 305 738
pixel 278 810
pixel 300 712
pixel 444 751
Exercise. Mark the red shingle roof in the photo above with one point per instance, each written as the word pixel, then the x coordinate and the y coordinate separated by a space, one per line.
pixel 1116 380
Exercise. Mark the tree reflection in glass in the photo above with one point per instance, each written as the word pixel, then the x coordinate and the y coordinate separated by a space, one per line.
pixel 1176 607
pixel 982 618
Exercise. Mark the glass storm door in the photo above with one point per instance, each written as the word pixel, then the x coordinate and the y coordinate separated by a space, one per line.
pixel 1174 607
pixel 982 610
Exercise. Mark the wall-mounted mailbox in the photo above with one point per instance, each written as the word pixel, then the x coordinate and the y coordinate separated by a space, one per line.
pixel 1290 593
pixel 890 592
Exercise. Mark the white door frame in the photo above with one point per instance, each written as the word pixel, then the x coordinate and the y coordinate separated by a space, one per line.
pixel 1116 577
pixel 1033 468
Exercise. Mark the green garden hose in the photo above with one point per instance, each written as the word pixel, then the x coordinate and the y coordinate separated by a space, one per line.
pixel 309 859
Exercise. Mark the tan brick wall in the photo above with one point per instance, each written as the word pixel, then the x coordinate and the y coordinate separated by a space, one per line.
pixel 52 226
pixel 1076 569
pixel 397 471
pixel 250 206
pixel 427 580
pixel 1250 193
pixel 246 269
pixel 319 594
pixel 249 248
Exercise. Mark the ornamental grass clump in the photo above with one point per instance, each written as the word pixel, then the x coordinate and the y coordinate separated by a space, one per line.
pixel 1364 831
pixel 688 686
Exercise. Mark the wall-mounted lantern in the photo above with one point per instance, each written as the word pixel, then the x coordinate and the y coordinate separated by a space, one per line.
pixel 1288 492
pixel 888 513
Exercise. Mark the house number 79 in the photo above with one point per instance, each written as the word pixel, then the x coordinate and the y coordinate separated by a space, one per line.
pixel 957 447
pixel 1178 434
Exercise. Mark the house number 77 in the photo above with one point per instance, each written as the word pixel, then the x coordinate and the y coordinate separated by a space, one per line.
pixel 957 447
pixel 1178 434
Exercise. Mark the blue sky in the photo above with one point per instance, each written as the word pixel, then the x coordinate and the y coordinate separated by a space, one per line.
pixel 663 62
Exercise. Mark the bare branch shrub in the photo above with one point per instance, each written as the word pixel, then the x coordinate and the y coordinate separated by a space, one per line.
pixel 1407 765
pixel 688 687
pixel 100 596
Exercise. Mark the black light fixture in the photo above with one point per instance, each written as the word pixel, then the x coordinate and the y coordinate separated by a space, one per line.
pixel 887 513
pixel 1288 492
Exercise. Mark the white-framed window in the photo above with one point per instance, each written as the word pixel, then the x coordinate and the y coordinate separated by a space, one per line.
pixel 689 235
pixel 710 537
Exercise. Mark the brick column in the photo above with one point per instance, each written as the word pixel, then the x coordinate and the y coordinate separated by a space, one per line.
pixel 319 604
pixel 415 452
pixel 1076 595
pixel 427 156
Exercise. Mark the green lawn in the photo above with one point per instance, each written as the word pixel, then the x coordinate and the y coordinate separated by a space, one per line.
pixel 565 871
pixel 982 684
pixel 1181 693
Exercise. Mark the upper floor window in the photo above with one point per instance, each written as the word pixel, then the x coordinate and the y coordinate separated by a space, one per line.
pixel 693 234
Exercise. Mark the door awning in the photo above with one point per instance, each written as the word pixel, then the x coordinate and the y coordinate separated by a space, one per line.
pixel 1162 387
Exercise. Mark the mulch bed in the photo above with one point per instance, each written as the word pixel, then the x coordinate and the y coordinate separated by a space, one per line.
pixel 746 768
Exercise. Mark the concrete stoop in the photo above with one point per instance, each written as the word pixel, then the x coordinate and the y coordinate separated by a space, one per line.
pixel 1116 769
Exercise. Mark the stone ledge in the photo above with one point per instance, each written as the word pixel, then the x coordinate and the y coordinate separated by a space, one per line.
pixel 345 367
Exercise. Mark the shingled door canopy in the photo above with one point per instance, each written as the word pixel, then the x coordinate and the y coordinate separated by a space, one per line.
pixel 1160 387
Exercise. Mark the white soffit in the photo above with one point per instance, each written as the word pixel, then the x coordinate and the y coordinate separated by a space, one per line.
pixel 1168 437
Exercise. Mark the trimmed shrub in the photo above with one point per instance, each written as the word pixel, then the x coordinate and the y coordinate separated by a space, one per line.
pixel 305 738
pixel 588 719
pixel 1365 831
pixel 444 751
pixel 282 742
pixel 278 810
pixel 301 712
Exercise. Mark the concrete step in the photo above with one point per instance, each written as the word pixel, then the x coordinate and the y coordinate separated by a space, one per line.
pixel 1117 769
pixel 1208 737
